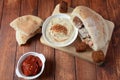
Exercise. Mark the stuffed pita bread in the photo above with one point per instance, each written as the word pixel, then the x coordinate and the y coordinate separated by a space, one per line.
pixel 92 27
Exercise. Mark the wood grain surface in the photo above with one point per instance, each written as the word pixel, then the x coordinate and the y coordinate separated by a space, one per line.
pixel 59 65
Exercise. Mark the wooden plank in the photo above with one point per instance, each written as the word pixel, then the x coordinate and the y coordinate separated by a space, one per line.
pixel 1 10
pixel 7 40
pixel 113 8
pixel 27 7
pixel 65 64
pixel 84 70
pixel 99 6
pixel 80 2
pixel 45 8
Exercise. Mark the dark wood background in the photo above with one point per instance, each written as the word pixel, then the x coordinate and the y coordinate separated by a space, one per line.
pixel 59 65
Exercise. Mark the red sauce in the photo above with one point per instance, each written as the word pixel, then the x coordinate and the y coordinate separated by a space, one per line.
pixel 31 66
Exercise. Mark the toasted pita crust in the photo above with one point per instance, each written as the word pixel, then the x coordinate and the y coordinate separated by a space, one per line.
pixel 27 24
pixel 95 25
pixel 22 39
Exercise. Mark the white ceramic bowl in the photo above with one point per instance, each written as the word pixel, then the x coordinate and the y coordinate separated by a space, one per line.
pixel 45 25
pixel 18 68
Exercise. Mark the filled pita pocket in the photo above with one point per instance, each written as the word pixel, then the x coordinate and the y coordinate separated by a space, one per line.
pixel 26 27
pixel 92 27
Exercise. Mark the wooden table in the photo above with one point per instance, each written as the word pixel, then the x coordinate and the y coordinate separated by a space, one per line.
pixel 59 65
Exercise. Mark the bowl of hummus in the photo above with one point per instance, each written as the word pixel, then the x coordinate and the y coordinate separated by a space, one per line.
pixel 58 31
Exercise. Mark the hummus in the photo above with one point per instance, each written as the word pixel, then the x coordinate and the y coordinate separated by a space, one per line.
pixel 59 30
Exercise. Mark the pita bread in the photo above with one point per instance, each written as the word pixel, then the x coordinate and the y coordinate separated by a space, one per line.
pixel 94 24
pixel 22 39
pixel 27 24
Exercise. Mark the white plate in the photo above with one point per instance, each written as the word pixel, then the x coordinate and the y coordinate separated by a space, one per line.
pixel 45 26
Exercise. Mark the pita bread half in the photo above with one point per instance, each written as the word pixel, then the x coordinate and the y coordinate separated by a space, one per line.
pixel 94 24
pixel 27 24
pixel 22 39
